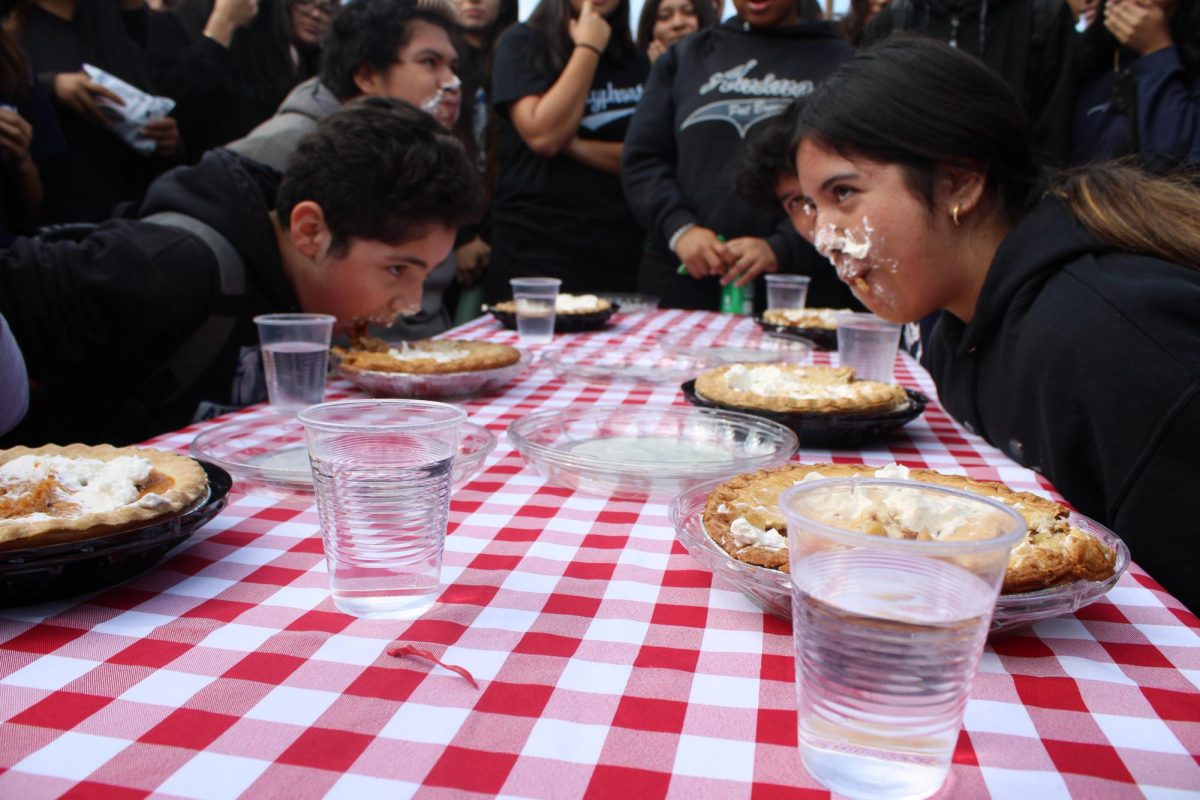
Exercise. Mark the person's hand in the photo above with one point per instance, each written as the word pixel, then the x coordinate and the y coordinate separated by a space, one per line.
pixel 590 28
pixel 702 252
pixel 1140 25
pixel 165 133
pixel 471 259
pixel 15 135
pixel 655 50
pixel 750 257
pixel 227 16
pixel 1084 9
pixel 78 92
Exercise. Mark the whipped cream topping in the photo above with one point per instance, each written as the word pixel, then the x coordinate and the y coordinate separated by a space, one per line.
pixel 568 303
pixel 89 484
pixel 748 535
pixel 441 355
pixel 813 317
pixel 770 380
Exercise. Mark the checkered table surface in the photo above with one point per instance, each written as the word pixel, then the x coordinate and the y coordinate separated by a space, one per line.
pixel 609 663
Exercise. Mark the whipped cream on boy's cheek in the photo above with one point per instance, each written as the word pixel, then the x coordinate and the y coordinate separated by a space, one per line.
pixel 430 106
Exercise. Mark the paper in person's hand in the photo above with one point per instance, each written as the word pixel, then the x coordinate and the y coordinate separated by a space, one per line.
pixel 140 107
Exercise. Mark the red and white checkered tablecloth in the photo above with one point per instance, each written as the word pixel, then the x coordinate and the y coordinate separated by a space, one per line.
pixel 609 663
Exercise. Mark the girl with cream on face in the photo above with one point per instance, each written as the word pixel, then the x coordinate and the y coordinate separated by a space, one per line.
pixel 1070 338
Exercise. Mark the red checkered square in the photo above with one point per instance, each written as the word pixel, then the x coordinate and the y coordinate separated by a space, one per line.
pixel 590 571
pixel 61 710
pixel 323 621
pixel 187 564
pixel 667 658
pixel 777 727
pixel 324 748
pixel 154 653
pixel 688 578
pixel 42 639
pixel 514 699
pixel 312 545
pixel 547 644
pixel 123 598
pixel 597 541
pixel 495 562
pixel 93 790
pixel 684 616
pixel 1175 706
pixel 471 770
pixel 221 610
pixel 1096 760
pixel 1049 692
pixel 1021 647
pixel 1137 655
pixel 511 533
pixel 778 668
pixel 275 576
pixel 572 604
pixel 272 668
pixel 650 714
pixel 612 781
pixel 773 791
pixel 190 728
pixel 434 631
pixel 386 683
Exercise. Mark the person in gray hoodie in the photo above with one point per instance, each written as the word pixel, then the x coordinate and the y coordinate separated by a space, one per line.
pixel 402 49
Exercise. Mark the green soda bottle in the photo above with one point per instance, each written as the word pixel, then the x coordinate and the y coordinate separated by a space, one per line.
pixel 737 299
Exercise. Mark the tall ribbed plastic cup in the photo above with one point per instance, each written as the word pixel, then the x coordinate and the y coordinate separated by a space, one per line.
pixel 382 471
pixel 893 587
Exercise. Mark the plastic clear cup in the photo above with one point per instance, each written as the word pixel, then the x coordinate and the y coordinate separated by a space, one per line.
pixel 787 291
pixel 535 299
pixel 295 353
pixel 382 472
pixel 868 344
pixel 888 631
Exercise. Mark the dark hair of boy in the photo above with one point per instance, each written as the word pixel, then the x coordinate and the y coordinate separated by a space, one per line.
pixel 363 165
pixel 767 157
pixel 551 18
pixel 370 33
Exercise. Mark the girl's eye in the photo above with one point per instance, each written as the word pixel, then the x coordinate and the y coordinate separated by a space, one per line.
pixel 842 193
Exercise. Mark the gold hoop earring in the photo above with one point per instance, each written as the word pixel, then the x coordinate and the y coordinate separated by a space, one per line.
pixel 954 216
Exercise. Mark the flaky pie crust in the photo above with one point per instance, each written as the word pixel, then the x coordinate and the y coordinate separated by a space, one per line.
pixel 178 480
pixel 1052 552
pixel 866 397
pixel 371 355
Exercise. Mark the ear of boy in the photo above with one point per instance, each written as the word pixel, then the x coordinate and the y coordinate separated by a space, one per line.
pixel 309 233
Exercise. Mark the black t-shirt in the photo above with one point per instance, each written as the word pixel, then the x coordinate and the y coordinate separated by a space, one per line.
pixel 559 216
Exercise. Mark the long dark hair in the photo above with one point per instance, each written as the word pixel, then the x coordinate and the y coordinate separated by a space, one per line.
pixel 706 15
pixel 550 18
pixel 918 103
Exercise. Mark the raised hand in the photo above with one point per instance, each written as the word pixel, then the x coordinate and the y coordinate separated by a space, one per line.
pixel 78 92
pixel 1140 25
pixel 590 29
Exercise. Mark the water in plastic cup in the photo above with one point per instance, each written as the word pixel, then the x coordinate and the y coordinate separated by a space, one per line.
pixel 295 351
pixel 787 291
pixel 868 344
pixel 382 472
pixel 888 631
pixel 535 299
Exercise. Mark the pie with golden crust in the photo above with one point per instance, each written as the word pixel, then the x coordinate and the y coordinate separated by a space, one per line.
pixel 55 493
pixel 425 357
pixel 565 304
pixel 742 516
pixel 822 318
pixel 799 389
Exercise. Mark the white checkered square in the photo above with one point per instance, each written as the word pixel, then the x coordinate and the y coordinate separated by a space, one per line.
pixel 50 672
pixel 468 545
pixel 197 586
pixel 1063 628
pixel 415 722
pixel 137 624
pixel 291 705
pixel 214 776
pixel 357 787
pixel 342 649
pixel 253 556
pixel 595 677
pixel 724 690
pixel 505 619
pixel 166 687
pixel 1025 783
pixel 617 630
pixel 486 521
pixel 722 759
pixel 574 742
pixel 294 529
pixel 551 551
pixel 300 597
pixel 641 558
pixel 1139 733
pixel 631 590
pixel 724 598
pixel 72 755
pixel 736 641
pixel 989 716
pixel 1193 675
pixel 1170 635
pixel 234 636
pixel 1130 594
pixel 1164 793
pixel 531 582
pixel 1084 669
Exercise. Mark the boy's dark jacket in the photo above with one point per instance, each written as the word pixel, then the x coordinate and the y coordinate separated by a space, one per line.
pixel 93 318
pixel 1083 363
